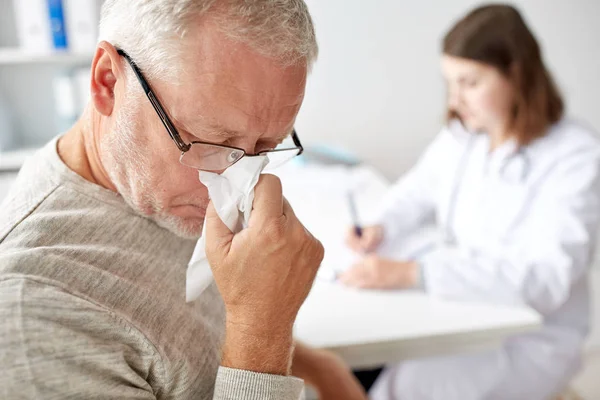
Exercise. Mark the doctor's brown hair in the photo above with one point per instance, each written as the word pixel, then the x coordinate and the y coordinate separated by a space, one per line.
pixel 497 35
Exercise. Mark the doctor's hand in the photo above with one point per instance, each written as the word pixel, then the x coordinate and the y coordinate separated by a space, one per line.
pixel 374 272
pixel 327 374
pixel 371 238
pixel 264 274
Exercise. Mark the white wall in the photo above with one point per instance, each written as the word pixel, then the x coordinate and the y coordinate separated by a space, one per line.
pixel 377 90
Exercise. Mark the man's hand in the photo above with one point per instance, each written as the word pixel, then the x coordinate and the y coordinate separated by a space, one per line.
pixel 327 373
pixel 374 272
pixel 368 241
pixel 264 274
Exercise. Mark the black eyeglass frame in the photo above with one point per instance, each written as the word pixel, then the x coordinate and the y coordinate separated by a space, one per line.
pixel 172 130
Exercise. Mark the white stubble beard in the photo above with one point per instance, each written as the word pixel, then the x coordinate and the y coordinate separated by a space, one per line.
pixel 128 169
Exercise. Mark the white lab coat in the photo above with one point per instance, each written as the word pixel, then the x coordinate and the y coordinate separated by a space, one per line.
pixel 518 227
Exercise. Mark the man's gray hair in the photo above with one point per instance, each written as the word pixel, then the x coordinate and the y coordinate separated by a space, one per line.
pixel 151 31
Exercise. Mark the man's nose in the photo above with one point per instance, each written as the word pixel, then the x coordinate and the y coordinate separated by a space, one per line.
pixel 247 144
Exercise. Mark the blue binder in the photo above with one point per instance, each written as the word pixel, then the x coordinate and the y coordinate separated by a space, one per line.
pixel 57 24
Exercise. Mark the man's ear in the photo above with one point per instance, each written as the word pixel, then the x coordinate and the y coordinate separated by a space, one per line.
pixel 106 71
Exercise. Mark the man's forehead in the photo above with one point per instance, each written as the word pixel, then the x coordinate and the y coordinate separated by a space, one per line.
pixel 230 91
pixel 202 125
pixel 232 111
pixel 219 59
pixel 242 79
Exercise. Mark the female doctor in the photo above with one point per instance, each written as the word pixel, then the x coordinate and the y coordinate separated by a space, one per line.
pixel 514 189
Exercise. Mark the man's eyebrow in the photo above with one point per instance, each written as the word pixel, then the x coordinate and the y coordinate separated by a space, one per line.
pixel 211 128
pixel 214 128
pixel 217 129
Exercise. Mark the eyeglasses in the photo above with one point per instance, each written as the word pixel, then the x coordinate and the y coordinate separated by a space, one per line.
pixel 211 156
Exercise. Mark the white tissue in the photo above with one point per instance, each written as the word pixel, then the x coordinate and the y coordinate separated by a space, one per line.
pixel 232 194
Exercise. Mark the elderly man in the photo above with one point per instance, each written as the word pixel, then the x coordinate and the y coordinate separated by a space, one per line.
pixel 97 232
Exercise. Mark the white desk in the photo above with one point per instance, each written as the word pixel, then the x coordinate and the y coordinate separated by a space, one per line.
pixel 370 328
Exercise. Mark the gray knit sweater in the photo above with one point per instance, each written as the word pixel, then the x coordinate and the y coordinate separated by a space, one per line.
pixel 92 301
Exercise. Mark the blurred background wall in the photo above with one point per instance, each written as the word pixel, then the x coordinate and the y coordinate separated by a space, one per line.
pixel 377 88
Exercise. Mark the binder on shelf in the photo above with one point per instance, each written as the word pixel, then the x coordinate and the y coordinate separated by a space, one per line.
pixel 33 25
pixel 57 24
pixel 81 17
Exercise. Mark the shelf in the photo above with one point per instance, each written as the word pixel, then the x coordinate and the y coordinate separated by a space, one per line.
pixel 11 161
pixel 15 56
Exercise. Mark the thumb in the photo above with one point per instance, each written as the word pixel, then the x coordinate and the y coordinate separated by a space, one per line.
pixel 217 234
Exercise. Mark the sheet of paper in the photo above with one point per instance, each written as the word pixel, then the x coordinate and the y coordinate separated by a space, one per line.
pixel 319 196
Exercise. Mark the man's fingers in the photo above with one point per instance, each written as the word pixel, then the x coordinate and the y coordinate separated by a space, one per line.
pixel 268 197
pixel 217 233
pixel 288 211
